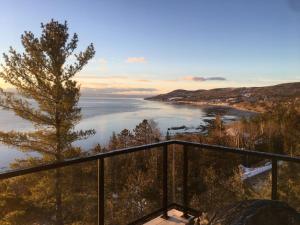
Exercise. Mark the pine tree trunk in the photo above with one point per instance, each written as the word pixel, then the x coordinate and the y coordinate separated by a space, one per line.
pixel 58 199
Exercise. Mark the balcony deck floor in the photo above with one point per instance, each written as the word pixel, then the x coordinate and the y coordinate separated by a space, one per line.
pixel 175 218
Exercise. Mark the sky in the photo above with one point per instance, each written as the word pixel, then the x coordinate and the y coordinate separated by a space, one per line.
pixel 155 46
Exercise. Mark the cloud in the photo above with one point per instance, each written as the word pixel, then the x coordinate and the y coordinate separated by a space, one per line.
pixel 216 78
pixel 112 77
pixel 135 60
pixel 118 91
pixel 122 90
pixel 202 79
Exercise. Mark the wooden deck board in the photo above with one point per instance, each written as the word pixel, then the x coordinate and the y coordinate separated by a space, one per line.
pixel 174 219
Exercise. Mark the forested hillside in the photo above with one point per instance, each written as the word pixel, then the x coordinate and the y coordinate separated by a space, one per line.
pixel 252 98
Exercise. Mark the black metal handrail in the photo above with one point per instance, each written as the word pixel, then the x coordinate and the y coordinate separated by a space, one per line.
pixel 72 161
pixel 165 206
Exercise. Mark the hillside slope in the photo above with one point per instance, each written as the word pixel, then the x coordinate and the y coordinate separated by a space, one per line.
pixel 250 98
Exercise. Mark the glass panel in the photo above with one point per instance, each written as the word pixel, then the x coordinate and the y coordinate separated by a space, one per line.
pixel 289 183
pixel 217 179
pixel 257 177
pixel 175 165
pixel 68 195
pixel 133 186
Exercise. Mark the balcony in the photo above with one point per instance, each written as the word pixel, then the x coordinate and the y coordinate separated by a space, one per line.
pixel 160 183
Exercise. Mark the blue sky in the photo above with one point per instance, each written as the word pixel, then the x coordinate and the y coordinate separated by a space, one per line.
pixel 161 45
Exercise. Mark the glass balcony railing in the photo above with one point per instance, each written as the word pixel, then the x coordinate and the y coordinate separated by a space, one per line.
pixel 133 185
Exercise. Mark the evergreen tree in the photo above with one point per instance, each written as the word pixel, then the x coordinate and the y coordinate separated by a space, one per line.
pixel 125 138
pixel 146 132
pixel 46 95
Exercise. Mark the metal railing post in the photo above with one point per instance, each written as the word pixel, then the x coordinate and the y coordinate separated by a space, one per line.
pixel 100 191
pixel 165 182
pixel 185 180
pixel 274 179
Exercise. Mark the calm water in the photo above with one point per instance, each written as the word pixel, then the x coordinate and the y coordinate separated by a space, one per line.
pixel 107 115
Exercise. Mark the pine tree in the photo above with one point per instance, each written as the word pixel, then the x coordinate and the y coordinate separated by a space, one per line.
pixel 125 138
pixel 46 95
pixel 146 132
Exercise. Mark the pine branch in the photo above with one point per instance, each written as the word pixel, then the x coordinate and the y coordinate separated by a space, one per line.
pixel 26 142
pixel 22 109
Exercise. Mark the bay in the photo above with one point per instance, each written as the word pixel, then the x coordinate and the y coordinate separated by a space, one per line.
pixel 108 115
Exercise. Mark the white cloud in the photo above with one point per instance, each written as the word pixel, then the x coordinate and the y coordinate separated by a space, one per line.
pixel 135 60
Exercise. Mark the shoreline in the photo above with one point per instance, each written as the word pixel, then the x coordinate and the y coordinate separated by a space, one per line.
pixel 213 107
pixel 216 106
pixel 104 131
pixel 211 110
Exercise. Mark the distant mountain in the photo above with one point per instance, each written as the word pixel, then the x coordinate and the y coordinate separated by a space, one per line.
pixel 250 98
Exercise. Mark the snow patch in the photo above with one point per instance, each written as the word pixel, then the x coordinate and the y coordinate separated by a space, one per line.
pixel 252 172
